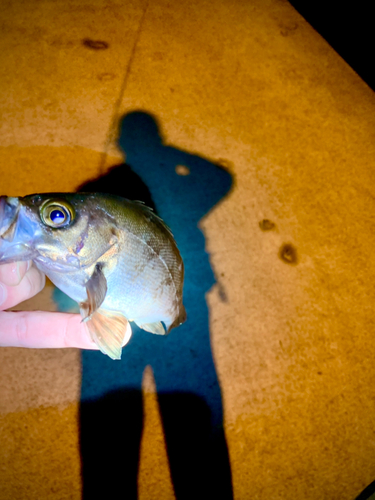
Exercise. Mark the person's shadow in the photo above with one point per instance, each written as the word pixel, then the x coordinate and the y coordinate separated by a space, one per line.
pixel 182 188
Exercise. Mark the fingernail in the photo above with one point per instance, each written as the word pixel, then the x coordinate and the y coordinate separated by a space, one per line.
pixel 18 273
pixel 21 269
pixel 3 294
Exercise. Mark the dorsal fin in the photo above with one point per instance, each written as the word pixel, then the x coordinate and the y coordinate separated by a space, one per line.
pixel 150 213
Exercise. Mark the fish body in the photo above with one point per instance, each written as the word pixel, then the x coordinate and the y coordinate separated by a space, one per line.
pixel 113 256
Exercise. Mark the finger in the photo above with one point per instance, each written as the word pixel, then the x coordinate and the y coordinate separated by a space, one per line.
pixel 31 284
pixel 38 329
pixel 12 274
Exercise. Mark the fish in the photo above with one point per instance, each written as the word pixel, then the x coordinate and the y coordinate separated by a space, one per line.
pixel 115 257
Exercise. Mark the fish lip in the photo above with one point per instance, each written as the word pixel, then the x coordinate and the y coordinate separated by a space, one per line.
pixel 13 248
pixel 25 252
pixel 47 265
pixel 9 208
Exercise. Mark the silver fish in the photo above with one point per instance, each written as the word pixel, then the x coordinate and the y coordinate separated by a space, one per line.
pixel 113 256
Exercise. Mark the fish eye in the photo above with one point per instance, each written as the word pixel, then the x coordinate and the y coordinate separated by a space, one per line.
pixel 56 213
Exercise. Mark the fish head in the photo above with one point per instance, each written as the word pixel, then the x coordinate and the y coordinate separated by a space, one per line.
pixel 61 232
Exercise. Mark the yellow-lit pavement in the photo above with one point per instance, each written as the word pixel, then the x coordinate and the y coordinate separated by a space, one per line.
pixel 250 86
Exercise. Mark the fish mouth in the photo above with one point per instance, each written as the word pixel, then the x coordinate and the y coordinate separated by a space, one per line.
pixel 11 250
pixel 15 253
pixel 9 208
pixel 69 265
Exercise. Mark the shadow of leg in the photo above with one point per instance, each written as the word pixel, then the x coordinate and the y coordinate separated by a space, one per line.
pixel 198 454
pixel 110 430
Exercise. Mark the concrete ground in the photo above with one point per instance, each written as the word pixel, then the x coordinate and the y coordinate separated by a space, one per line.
pixel 252 88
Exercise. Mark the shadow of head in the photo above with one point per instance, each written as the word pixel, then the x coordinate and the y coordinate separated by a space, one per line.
pixel 139 131
pixel 181 186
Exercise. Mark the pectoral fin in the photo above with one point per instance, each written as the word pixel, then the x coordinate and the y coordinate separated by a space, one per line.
pixel 156 327
pixel 110 331
pixel 96 289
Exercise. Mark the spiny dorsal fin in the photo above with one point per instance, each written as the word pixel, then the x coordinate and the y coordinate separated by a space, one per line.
pixel 149 212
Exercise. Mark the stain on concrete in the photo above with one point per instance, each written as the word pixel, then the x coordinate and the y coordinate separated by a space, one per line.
pixel 287 28
pixel 288 254
pixel 106 77
pixel 95 44
pixel 267 225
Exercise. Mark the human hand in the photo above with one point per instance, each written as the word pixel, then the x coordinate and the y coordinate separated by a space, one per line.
pixel 38 329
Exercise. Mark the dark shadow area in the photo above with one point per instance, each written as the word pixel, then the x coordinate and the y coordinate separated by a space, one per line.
pixel 110 433
pixel 188 389
pixel 368 493
pixel 348 28
pixel 110 444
